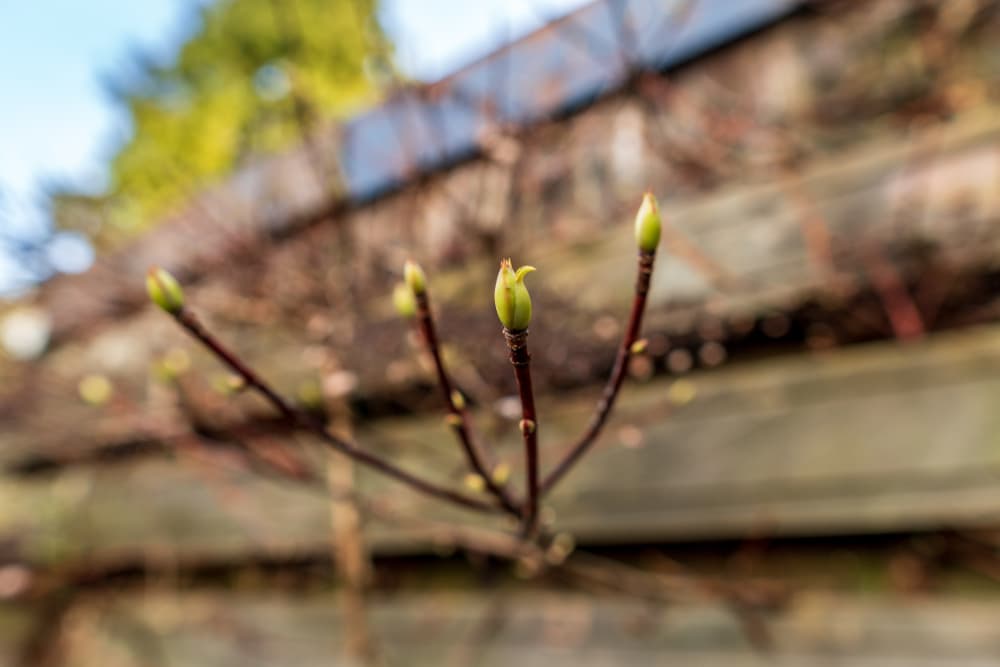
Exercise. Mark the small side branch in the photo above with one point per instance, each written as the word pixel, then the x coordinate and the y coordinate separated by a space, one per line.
pixel 611 388
pixel 517 350
pixel 298 419
pixel 458 417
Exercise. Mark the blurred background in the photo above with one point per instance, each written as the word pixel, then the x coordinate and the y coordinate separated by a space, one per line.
pixel 803 468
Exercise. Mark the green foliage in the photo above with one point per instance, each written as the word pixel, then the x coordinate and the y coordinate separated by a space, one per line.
pixel 252 79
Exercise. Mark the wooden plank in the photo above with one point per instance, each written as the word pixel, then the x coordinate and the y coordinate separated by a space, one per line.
pixel 878 437
pixel 530 628
pixel 16 624
pixel 751 230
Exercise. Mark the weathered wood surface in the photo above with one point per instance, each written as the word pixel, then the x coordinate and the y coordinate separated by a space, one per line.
pixel 752 231
pixel 872 438
pixel 860 159
pixel 880 438
pixel 543 629
pixel 829 78
pixel 16 624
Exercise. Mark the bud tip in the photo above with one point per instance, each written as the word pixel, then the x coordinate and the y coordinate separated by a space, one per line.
pixel 647 224
pixel 639 346
pixel 415 277
pixel 403 301
pixel 164 290
pixel 510 295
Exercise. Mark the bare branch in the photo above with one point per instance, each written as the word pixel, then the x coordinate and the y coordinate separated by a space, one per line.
pixel 645 271
pixel 307 422
pixel 460 422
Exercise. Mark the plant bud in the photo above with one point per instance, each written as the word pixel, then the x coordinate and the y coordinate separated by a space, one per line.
pixel 511 296
pixel 403 301
pixel 639 346
pixel 501 474
pixel 457 400
pixel 647 224
pixel 474 482
pixel 415 277
pixel 95 389
pixel 527 426
pixel 164 290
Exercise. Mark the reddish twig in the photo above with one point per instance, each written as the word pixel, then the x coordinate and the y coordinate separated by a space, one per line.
pixel 459 421
pixel 614 383
pixel 517 349
pixel 900 308
pixel 299 419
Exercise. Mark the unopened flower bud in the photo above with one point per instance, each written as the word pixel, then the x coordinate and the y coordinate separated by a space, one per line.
pixel 639 346
pixel 415 278
pixel 559 550
pixel 647 224
pixel 474 482
pixel 511 296
pixel 95 389
pixel 164 290
pixel 403 301
pixel 527 426
pixel 457 400
pixel 500 474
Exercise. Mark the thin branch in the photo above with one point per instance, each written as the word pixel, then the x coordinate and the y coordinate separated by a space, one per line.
pixel 517 349
pixel 297 418
pixel 900 308
pixel 645 271
pixel 460 422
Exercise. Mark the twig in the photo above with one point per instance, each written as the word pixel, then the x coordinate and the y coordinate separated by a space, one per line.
pixel 193 326
pixel 517 349
pixel 900 308
pixel 645 271
pixel 459 422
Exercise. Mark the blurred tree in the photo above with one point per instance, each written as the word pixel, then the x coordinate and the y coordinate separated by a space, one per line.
pixel 254 76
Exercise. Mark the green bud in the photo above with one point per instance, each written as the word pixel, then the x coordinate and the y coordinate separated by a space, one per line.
pixel 95 389
pixel 164 290
pixel 415 277
pixel 647 224
pixel 500 474
pixel 560 549
pixel 639 346
pixel 511 296
pixel 403 301
pixel 474 482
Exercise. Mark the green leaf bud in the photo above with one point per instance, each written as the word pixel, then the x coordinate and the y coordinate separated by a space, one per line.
pixel 511 296
pixel 500 474
pixel 164 290
pixel 403 301
pixel 474 482
pixel 95 389
pixel 415 277
pixel 639 346
pixel 647 224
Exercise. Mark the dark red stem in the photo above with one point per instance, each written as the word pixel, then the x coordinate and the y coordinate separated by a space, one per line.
pixel 299 419
pixel 614 383
pixel 517 352
pixel 462 427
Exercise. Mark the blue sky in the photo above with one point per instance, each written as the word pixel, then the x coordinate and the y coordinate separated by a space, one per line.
pixel 57 123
